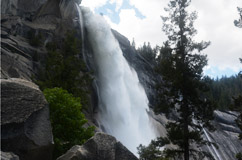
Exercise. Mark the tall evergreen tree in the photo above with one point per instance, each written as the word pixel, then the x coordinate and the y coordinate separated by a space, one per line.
pixel 181 67
pixel 238 106
pixel 238 23
pixel 238 100
pixel 148 52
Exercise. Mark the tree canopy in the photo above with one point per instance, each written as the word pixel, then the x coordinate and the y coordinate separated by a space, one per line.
pixel 238 23
pixel 181 66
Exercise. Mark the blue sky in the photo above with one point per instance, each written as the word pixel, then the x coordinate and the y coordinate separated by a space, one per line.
pixel 140 19
pixel 112 11
pixel 215 72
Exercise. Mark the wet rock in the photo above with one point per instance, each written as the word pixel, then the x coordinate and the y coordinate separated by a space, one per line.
pixel 225 136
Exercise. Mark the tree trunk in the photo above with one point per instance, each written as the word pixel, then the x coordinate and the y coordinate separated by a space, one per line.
pixel 186 132
pixel 186 143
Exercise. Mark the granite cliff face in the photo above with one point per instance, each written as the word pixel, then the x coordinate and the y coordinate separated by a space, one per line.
pixel 225 136
pixel 22 22
pixel 24 109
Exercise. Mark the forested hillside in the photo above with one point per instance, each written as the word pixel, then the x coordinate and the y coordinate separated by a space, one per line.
pixel 223 90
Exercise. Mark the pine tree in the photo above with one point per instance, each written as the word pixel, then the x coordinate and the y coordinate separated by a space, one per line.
pixel 238 106
pixel 181 66
pixel 149 53
pixel 238 100
pixel 133 44
pixel 238 23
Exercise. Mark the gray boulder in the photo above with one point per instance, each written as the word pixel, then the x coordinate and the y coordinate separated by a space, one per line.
pixel 100 147
pixel 8 156
pixel 25 124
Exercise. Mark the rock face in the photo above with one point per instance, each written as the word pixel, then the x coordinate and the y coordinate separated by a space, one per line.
pixel 25 125
pixel 225 136
pixel 21 7
pixel 99 147
pixel 22 22
pixel 8 156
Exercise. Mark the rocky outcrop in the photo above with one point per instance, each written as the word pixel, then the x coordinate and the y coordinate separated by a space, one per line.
pixel 25 125
pixel 225 136
pixel 8 156
pixel 99 147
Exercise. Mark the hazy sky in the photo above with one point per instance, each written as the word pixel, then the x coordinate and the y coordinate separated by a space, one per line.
pixel 140 19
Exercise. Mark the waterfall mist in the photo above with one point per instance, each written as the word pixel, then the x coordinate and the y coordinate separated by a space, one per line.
pixel 123 104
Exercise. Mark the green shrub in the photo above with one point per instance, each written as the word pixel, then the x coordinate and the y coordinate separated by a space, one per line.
pixel 67 120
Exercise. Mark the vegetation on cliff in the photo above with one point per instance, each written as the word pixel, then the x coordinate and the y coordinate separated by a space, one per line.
pixel 65 82
pixel 64 68
pixel 67 120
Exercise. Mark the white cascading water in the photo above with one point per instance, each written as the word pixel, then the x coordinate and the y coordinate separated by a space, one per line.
pixel 123 104
pixel 82 32
pixel 212 149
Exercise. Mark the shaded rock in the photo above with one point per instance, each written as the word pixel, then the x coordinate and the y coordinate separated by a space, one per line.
pixel 63 14
pixel 20 59
pixel 21 7
pixel 99 147
pixel 9 7
pixel 25 127
pixel 8 156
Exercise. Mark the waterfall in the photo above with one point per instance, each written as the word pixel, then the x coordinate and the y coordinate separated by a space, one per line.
pixel 82 33
pixel 123 104
pixel 212 150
